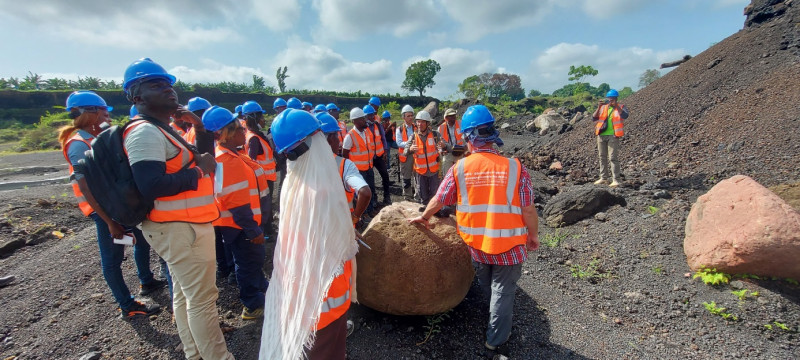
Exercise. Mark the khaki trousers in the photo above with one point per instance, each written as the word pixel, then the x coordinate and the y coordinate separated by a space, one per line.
pixel 608 150
pixel 189 251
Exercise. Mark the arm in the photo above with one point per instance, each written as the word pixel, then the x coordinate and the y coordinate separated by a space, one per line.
pixel 531 219
pixel 243 216
pixel 254 148
pixel 383 136
pixel 153 181
pixel 364 196
pixel 596 114
pixel 115 229
pixel 204 141
pixel 623 113
pixel 398 137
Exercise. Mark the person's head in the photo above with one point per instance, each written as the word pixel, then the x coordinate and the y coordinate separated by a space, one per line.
pixel 279 105
pixel 319 108
pixel 612 97
pixel 294 103
pixel 149 87
pixel 423 119
pixel 375 102
pixel 386 116
pixel 307 106
pixel 333 110
pixel 253 114
pixel 370 112
pixel 87 111
pixel 408 114
pixel 450 116
pixel 477 126
pixel 238 111
pixel 224 124
pixel 330 127
pixel 198 106
pixel 291 131
pixel 358 118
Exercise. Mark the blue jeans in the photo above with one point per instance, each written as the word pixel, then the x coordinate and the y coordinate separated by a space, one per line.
pixel 249 260
pixel 224 254
pixel 111 256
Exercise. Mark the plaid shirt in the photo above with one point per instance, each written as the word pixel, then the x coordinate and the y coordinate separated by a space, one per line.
pixel 446 194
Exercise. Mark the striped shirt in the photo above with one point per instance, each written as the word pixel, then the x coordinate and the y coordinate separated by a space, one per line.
pixel 446 194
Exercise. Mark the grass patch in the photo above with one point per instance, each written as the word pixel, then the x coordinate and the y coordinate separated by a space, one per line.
pixel 712 276
pixel 555 238
pixel 719 311
pixel 591 272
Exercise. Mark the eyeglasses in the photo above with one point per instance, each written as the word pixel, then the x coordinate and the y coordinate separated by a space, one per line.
pixel 91 109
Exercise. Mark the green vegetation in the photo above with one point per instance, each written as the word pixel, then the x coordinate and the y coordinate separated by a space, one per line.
pixel 579 73
pixel 658 270
pixel 419 76
pixel 44 134
pixel 433 325
pixel 743 294
pixel 792 281
pixel 591 272
pixel 779 325
pixel 281 76
pixel 712 276
pixel 648 76
pixel 555 238
pixel 494 86
pixel 652 210
pixel 719 311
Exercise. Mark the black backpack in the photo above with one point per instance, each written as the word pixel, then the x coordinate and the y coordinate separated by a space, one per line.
pixel 109 177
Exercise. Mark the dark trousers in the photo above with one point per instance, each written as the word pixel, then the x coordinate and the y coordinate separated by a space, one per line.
pixel 330 341
pixel 369 177
pixel 225 263
pixel 382 168
pixel 249 260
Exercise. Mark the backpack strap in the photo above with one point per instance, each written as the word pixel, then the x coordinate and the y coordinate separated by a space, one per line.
pixel 168 129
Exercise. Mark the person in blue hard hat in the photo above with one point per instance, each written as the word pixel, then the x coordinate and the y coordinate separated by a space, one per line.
pixel 381 151
pixel 258 147
pixel 279 105
pixel 609 130
pixel 307 106
pixel 334 110
pixel 178 178
pixel 294 103
pixel 389 128
pixel 87 111
pixel 197 106
pixel 319 108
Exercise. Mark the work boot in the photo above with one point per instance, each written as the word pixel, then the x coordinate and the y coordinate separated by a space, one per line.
pixel 138 309
pixel 601 182
pixel 152 287
pixel 252 314
pixel 614 184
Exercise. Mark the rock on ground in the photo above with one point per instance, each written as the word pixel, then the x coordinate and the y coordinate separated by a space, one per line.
pixel 577 203
pixel 741 227
pixel 411 270
pixel 547 122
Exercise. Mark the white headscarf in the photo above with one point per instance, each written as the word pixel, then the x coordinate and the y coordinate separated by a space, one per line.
pixel 315 238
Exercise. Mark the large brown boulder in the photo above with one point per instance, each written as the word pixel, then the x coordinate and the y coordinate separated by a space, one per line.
pixel 740 227
pixel 411 270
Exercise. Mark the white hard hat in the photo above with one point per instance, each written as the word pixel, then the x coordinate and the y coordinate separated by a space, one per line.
pixel 424 115
pixel 407 108
pixel 356 113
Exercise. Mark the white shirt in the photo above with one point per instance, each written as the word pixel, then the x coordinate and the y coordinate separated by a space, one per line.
pixel 398 134
pixel 351 177
pixel 146 142
pixel 348 141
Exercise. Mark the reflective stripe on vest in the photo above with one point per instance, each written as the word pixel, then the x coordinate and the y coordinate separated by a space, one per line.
pixel 488 211
pixel 337 300
pixel 443 129
pixel 377 141
pixel 265 159
pixel 236 184
pixel 616 121
pixel 192 206
pixel 361 153
pixel 426 158
pixel 401 150
pixel 86 209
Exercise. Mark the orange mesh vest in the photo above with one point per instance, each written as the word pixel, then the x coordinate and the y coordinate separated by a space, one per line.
pixel 361 153
pixel 86 209
pixel 616 121
pixel 192 206
pixel 265 160
pixel 426 158
pixel 488 211
pixel 343 132
pixel 337 300
pixel 177 129
pixel 377 142
pixel 401 151
pixel 235 185
pixel 446 134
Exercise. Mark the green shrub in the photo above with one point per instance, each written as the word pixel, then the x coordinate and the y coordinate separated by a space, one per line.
pixel 44 135
pixel 7 135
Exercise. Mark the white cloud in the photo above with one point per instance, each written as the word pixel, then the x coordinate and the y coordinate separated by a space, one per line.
pixel 619 67
pixel 479 17
pixel 457 64
pixel 212 72
pixel 353 19
pixel 606 9
pixel 277 15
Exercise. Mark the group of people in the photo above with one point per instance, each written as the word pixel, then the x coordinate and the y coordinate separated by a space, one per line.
pixel 211 175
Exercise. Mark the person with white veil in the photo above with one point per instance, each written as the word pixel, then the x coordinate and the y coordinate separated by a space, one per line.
pixel 313 278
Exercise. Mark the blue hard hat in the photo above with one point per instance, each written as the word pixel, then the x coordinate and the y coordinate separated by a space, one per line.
pixel 319 108
pixel 476 115
pixel 278 103
pixel 368 109
pixel 238 109
pixel 134 111
pixel 375 101
pixel 307 104
pixel 294 103
pixel 216 118
pixel 612 93
pixel 197 103
pixel 386 114
pixel 84 98
pixel 329 124
pixel 292 126
pixel 332 106
pixel 250 107
pixel 144 68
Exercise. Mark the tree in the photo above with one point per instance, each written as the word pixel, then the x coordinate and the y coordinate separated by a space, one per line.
pixel 534 92
pixel 492 86
pixel 625 92
pixel 281 77
pixel 258 83
pixel 473 88
pixel 579 73
pixel 31 82
pixel 648 76
pixel 419 76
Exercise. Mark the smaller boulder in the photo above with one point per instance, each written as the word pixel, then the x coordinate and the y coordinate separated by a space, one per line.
pixel 549 121
pixel 432 108
pixel 578 203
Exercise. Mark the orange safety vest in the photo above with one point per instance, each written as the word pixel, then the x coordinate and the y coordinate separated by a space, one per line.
pixel 192 206
pixel 616 121
pixel 377 142
pixel 239 187
pixel 86 209
pixel 190 136
pixel 361 153
pixel 349 193
pixel 265 160
pixel 337 300
pixel 426 158
pixel 343 132
pixel 401 151
pixel 177 128
pixel 446 134
pixel 488 210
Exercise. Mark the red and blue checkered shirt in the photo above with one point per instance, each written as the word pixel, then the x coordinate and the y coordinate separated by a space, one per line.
pixel 446 194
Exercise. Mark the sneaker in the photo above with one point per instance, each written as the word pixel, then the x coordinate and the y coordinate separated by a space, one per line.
pixel 151 287
pixel 614 184
pixel 601 182
pixel 252 314
pixel 7 280
pixel 138 310
pixel 350 327
pixel 490 347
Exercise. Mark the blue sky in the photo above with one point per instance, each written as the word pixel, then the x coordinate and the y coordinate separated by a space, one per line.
pixel 358 44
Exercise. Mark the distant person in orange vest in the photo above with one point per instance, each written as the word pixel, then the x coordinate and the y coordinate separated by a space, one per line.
pixel 358 147
pixel 258 148
pixel 495 214
pixel 197 106
pixel 452 143
pixel 178 177
pixel 389 128
pixel 87 111
pixel 333 110
pixel 239 182
pixel 424 148
pixel 381 151
pixel 608 128
pixel 402 135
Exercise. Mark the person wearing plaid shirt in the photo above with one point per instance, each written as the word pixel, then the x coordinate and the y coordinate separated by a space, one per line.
pixel 497 266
